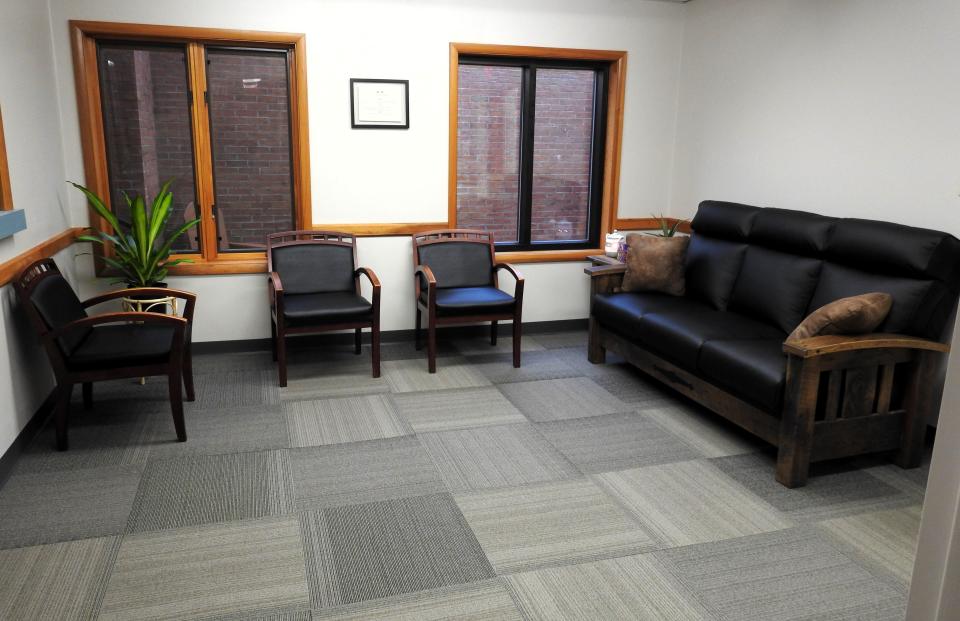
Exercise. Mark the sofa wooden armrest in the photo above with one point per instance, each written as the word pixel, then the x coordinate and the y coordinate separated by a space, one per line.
pixel 835 343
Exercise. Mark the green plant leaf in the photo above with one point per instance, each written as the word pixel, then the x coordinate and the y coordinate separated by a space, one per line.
pixel 99 207
pixel 165 249
pixel 160 210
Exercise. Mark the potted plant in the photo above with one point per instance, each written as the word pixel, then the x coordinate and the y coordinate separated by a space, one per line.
pixel 141 255
pixel 666 229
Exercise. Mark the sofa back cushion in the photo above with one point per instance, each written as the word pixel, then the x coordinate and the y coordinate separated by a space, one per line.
pixel 775 287
pixel 712 266
pixel 919 268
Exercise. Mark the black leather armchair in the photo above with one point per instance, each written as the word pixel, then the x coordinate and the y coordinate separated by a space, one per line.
pixel 314 286
pixel 86 348
pixel 456 282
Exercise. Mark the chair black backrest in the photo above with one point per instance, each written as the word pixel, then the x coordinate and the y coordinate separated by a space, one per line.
pixel 313 261
pixel 52 302
pixel 779 265
pixel 456 261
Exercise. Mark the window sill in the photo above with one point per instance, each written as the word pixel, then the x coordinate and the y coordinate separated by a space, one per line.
pixel 547 256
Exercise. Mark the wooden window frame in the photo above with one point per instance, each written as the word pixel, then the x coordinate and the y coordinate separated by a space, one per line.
pixel 616 85
pixel 85 36
pixel 6 194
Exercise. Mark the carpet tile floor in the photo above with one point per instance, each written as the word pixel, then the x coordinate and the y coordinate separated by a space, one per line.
pixel 561 490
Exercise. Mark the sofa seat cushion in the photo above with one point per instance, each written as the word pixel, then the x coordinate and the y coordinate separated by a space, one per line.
pixel 622 311
pixel 457 301
pixel 679 333
pixel 122 345
pixel 332 307
pixel 752 369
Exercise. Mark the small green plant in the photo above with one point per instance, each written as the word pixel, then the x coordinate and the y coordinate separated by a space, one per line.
pixel 666 228
pixel 140 253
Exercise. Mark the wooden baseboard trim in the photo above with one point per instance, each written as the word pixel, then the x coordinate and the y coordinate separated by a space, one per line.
pixel 11 269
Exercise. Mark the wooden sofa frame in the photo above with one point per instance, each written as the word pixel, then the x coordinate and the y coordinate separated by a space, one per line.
pixel 852 417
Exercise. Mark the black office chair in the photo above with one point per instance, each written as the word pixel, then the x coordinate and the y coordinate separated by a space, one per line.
pixel 88 348
pixel 315 287
pixel 456 282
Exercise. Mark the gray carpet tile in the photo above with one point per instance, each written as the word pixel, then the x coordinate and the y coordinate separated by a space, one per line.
pixel 708 433
pixel 197 490
pixel 480 345
pixel 826 495
pixel 227 389
pixel 124 443
pixel 297 612
pixel 691 502
pixel 443 410
pixel 347 419
pixel 123 400
pixel 62 581
pixel 615 442
pixel 632 587
pixel 487 600
pixel 534 365
pixel 489 457
pixel 628 384
pixel 205 571
pixel 381 549
pixel 560 399
pixel 326 380
pixel 411 375
pixel 535 526
pixel 577 357
pixel 784 575
pixel 61 506
pixel 360 472
pixel 233 430
pixel 240 361
pixel 888 538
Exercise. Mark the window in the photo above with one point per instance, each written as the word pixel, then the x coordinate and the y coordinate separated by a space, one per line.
pixel 6 197
pixel 532 144
pixel 221 113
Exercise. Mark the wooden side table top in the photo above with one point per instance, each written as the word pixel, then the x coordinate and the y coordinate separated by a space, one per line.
pixel 602 259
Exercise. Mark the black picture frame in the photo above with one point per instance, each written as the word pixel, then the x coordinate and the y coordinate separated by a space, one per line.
pixel 355 123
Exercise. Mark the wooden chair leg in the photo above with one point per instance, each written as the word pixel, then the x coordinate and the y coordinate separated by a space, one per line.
pixel 176 403
pixel 596 353
pixel 493 332
pixel 282 358
pixel 375 348
pixel 517 335
pixel 432 345
pixel 357 340
pixel 797 422
pixel 87 395
pixel 188 372
pixel 60 414
pixel 416 330
pixel 273 339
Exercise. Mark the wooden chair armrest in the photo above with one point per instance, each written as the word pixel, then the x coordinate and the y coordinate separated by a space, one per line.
pixel 160 292
pixel 370 274
pixel 513 271
pixel 178 323
pixel 835 343
pixel 424 271
pixel 276 286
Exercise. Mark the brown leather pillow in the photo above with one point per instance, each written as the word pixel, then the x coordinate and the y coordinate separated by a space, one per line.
pixel 655 263
pixel 854 315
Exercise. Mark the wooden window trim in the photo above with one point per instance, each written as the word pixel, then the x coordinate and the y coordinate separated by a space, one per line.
pixel 84 36
pixel 614 136
pixel 6 194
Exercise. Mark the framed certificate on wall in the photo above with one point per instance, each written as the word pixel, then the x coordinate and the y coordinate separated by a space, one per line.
pixel 379 104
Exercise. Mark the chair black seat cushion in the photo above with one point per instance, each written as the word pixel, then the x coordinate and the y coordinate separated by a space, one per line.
pixel 120 345
pixel 678 334
pixel 753 369
pixel 470 300
pixel 331 307
pixel 621 311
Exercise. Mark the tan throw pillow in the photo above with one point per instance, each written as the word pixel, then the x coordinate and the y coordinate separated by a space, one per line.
pixel 854 315
pixel 655 263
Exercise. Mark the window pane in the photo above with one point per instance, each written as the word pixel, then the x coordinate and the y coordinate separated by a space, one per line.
pixel 488 149
pixel 146 117
pixel 250 134
pixel 562 148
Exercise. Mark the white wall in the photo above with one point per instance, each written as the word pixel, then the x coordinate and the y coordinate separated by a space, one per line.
pixel 401 176
pixel 845 108
pixel 28 100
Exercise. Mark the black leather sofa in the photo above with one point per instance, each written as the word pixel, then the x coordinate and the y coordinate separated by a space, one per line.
pixel 752 275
